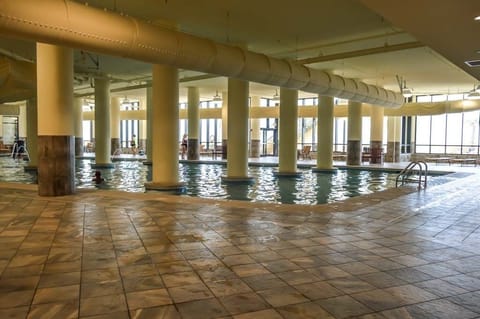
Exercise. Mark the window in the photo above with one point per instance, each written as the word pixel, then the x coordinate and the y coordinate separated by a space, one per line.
pixel 453 133
pixel 423 134
pixel 406 134
pixel 340 134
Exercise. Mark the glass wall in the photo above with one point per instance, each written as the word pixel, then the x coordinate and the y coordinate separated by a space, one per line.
pixel 210 129
pixel 129 128
pixel 451 133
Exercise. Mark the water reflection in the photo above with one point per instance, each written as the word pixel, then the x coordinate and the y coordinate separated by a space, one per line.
pixel 204 180
pixel 287 189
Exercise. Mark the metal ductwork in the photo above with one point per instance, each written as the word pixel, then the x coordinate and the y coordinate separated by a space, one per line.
pixel 79 26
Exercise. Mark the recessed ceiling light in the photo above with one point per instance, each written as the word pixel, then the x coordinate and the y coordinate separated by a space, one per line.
pixel 477 18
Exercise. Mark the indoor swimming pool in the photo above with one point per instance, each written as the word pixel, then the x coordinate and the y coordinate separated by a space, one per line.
pixel 204 180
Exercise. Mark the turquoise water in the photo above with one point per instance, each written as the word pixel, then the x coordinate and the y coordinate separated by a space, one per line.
pixel 204 180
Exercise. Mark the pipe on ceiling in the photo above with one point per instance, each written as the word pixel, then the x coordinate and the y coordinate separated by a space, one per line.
pixel 68 23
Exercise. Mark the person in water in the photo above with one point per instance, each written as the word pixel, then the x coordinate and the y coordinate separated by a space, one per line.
pixel 98 179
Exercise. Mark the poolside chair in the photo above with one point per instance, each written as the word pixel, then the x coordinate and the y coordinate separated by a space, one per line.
pixel 305 152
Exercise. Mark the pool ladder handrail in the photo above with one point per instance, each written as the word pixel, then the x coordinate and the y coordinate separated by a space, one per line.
pixel 19 150
pixel 404 176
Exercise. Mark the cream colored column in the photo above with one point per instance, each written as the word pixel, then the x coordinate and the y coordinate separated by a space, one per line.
pixel 354 143
pixel 32 134
pixel 56 146
pixel 148 151
pixel 237 158
pixel 102 124
pixel 224 125
pixel 193 123
pixel 325 134
pixel 78 125
pixel 376 134
pixel 255 131
pixel 142 130
pixel 287 151
pixel 165 115
pixel 394 135
pixel 115 148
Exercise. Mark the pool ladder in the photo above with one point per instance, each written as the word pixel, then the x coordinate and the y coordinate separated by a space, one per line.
pixel 414 172
pixel 19 150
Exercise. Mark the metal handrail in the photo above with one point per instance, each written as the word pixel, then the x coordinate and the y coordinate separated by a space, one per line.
pixel 409 170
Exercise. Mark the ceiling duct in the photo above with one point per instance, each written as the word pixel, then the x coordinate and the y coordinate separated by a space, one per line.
pixel 72 24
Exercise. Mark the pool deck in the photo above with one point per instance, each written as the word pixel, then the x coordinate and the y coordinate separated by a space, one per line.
pixel 400 253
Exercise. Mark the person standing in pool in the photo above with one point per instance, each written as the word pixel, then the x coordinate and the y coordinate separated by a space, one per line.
pixel 184 145
pixel 133 144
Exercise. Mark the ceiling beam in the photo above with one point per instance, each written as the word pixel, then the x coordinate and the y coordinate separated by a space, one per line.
pixel 354 54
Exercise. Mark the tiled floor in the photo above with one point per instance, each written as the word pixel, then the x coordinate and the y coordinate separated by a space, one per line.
pixel 101 254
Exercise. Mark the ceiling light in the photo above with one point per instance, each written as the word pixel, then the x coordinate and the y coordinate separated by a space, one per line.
pixel 217 97
pixel 126 100
pixel 477 18
pixel 474 95
pixel 276 97
pixel 406 92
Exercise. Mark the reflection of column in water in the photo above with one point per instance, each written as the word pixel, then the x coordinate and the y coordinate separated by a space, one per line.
pixel 238 191
pixel 287 189
pixel 325 188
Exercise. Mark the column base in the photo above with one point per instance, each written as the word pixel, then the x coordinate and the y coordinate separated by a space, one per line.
pixel 354 152
pixel 56 165
pixel 177 188
pixel 324 170
pixel 238 180
pixel 287 174
pixel 102 165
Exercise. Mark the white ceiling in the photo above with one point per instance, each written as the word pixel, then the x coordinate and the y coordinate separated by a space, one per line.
pixel 337 32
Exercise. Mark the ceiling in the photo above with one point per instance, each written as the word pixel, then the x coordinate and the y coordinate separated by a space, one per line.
pixel 426 44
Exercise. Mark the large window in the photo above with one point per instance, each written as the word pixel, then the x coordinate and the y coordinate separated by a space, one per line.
pixel 129 128
pixel 454 133
pixel 340 134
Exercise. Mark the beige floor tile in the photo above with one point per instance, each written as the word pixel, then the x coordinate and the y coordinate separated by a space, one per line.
pixel 202 309
pixel 282 297
pixel 148 298
pixel 181 279
pixel 56 310
pixel 264 314
pixel 56 294
pixel 164 312
pixel 308 310
pixel 189 293
pixel 227 287
pixel 102 305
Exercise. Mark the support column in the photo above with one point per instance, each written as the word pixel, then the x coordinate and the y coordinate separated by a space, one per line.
pixel 255 131
pixel 287 159
pixel 148 151
pixel 224 125
pixel 354 143
pixel 102 124
pixel 56 146
pixel 237 159
pixel 142 127
pixel 78 125
pixel 325 134
pixel 32 135
pixel 165 115
pixel 115 147
pixel 376 134
pixel 394 134
pixel 193 123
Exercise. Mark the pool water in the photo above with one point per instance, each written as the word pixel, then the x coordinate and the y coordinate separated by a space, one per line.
pixel 204 180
